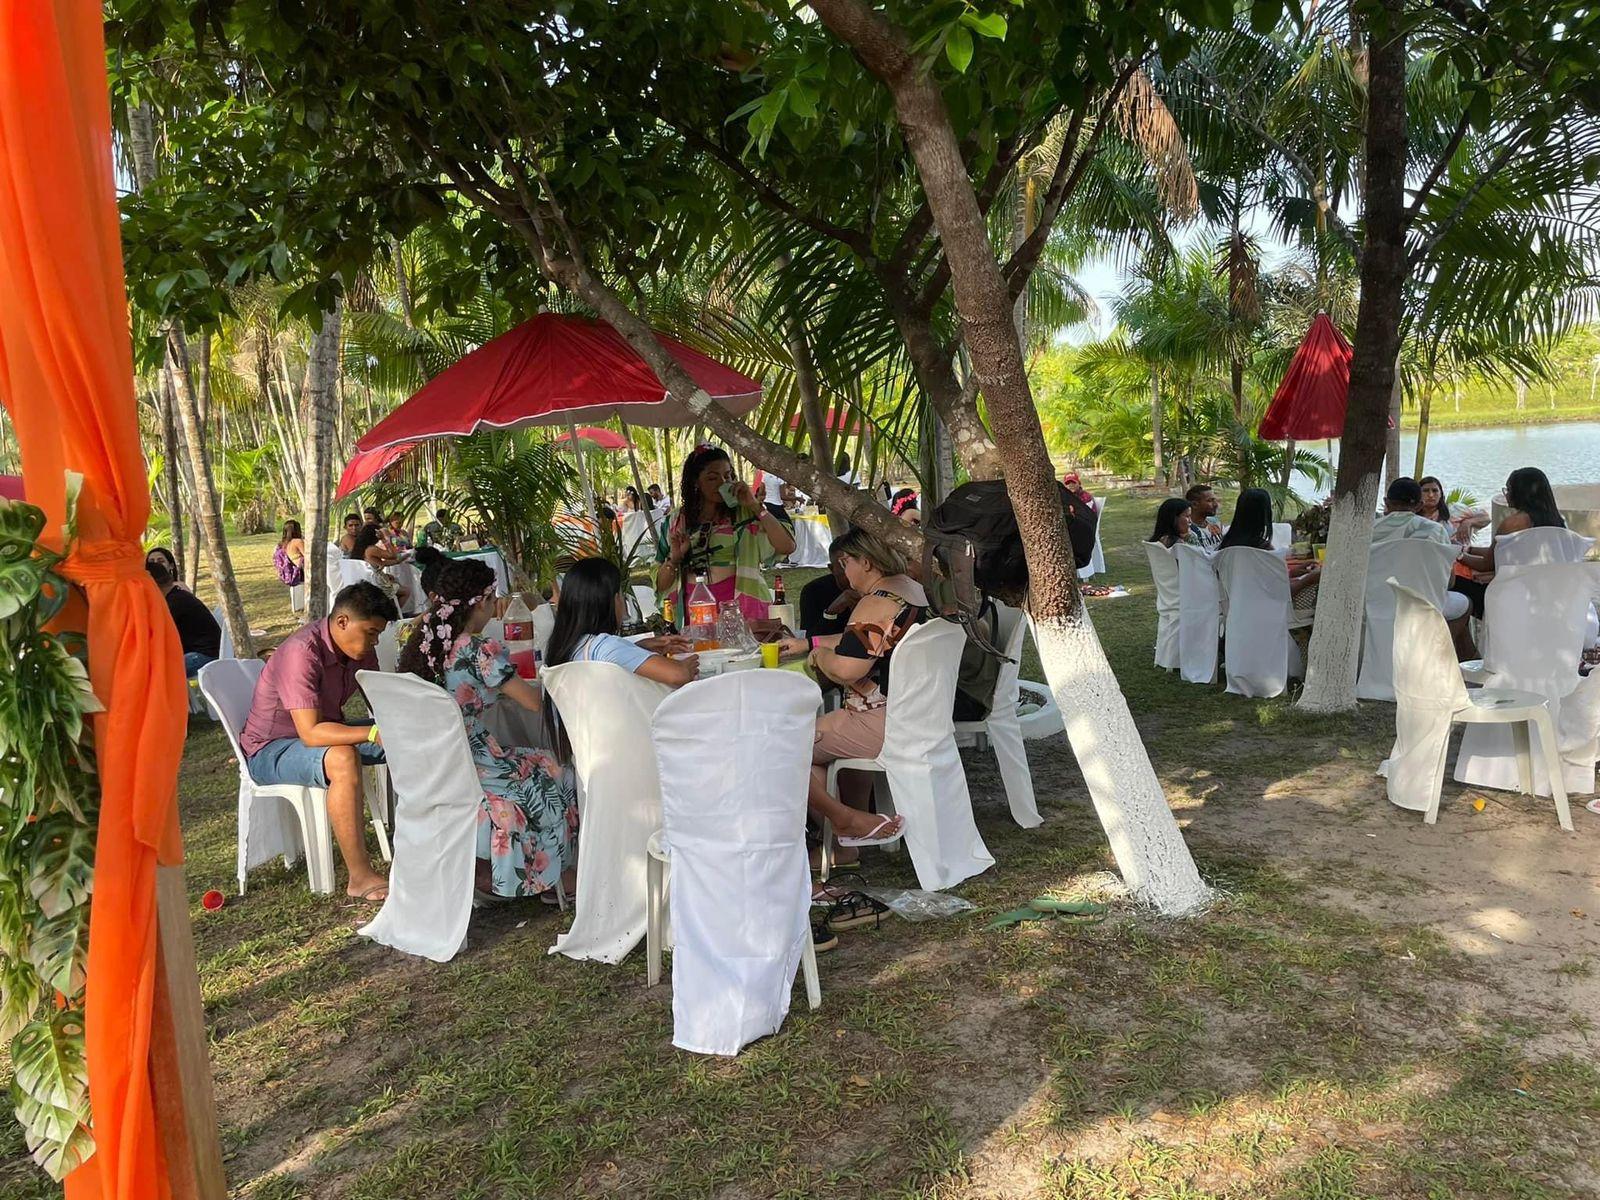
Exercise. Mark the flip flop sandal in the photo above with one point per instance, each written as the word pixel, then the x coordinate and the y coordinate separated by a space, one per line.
pixel 828 893
pixel 823 938
pixel 367 896
pixel 877 837
pixel 857 910
pixel 1593 806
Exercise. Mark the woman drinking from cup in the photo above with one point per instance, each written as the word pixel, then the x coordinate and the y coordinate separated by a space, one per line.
pixel 721 531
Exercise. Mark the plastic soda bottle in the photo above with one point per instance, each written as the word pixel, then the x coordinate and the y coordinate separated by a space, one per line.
pixel 702 605
pixel 518 622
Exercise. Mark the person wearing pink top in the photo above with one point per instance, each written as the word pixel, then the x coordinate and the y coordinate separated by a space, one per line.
pixel 297 732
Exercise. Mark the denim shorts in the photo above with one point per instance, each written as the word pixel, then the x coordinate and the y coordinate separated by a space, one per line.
pixel 289 760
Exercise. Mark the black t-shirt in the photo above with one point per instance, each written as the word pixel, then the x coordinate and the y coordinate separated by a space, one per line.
pixel 814 600
pixel 197 628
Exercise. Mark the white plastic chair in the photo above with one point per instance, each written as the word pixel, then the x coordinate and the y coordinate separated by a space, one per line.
pixel 926 783
pixel 1002 727
pixel 1431 696
pixel 736 841
pixel 604 709
pixel 437 800
pixel 1164 573
pixel 1535 616
pixel 297 598
pixel 1097 560
pixel 333 556
pixel 1199 613
pixel 264 832
pixel 1416 563
pixel 1261 656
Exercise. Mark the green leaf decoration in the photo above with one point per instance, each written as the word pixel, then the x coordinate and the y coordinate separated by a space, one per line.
pixel 958 48
pixel 20 995
pixel 62 867
pixel 50 1091
pixel 59 950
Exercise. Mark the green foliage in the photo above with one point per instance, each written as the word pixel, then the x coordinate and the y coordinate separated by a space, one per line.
pixel 48 801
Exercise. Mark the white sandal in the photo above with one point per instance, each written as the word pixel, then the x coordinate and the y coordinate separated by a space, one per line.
pixel 877 837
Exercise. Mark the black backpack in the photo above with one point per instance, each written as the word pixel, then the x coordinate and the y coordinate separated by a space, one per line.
pixel 976 529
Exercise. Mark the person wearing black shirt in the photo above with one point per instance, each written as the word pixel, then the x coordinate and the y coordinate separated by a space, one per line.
pixel 826 601
pixel 198 631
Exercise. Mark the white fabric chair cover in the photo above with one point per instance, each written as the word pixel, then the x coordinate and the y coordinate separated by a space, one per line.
pixel 1003 727
pixel 1421 565
pixel 1097 560
pixel 734 755
pixel 1535 617
pixel 619 799
pixel 1282 535
pixel 1261 655
pixel 927 784
pixel 437 798
pixel 333 556
pixel 645 597
pixel 225 645
pixel 297 597
pixel 1431 696
pixel 267 827
pixel 1578 734
pixel 638 542
pixel 1530 547
pixel 544 624
pixel 1164 572
pixel 1199 613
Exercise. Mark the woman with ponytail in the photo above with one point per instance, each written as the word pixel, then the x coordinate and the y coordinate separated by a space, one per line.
pixel 527 827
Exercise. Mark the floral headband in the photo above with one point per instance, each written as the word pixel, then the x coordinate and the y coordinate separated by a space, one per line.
pixel 441 629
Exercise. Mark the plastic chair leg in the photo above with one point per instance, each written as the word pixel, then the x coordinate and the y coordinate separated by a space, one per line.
pixel 808 966
pixel 375 788
pixel 311 810
pixel 654 869
pixel 1552 765
pixel 1519 740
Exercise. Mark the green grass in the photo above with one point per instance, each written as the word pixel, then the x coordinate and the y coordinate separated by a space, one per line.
pixel 1276 1047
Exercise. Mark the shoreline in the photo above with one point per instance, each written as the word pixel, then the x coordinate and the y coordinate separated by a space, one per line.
pixel 1556 418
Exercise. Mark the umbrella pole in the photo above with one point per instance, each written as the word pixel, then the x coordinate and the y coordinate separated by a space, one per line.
pixel 638 481
pixel 583 474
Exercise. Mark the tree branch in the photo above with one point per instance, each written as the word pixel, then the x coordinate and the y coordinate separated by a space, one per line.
pixel 1496 165
pixel 1439 167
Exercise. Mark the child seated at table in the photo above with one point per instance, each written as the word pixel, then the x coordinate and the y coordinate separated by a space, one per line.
pixel 528 822
pixel 587 621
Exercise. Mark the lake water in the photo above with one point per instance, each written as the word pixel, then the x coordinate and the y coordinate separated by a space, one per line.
pixel 1479 460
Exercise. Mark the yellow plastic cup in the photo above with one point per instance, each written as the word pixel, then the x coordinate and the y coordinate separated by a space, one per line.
pixel 769 654
pixel 1322 553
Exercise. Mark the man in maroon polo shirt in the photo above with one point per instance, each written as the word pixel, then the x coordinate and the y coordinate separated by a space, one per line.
pixel 297 732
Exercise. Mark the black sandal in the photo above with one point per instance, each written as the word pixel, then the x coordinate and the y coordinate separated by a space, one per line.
pixel 856 910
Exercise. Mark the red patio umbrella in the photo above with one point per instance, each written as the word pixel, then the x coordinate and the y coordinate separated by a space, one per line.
pixel 837 421
pixel 608 440
pixel 556 370
pixel 1310 402
pixel 366 465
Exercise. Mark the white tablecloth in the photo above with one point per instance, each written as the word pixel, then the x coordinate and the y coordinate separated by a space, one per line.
pixel 410 580
pixel 811 540
pixel 502 577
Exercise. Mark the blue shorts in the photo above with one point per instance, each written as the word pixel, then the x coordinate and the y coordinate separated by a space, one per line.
pixel 289 760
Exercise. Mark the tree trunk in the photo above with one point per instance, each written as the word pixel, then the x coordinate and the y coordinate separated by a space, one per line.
pixel 1127 795
pixel 1391 428
pixel 1424 407
pixel 1288 465
pixel 1336 635
pixel 943 481
pixel 209 510
pixel 1158 467
pixel 171 468
pixel 811 407
pixel 317 402
pixel 402 283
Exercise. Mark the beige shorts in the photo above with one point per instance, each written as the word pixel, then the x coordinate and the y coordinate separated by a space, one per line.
pixel 846 734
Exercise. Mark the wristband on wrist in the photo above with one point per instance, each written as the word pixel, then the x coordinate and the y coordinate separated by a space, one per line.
pixel 372 733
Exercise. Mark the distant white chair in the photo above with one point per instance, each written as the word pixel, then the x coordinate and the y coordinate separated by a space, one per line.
pixel 1431 696
pixel 926 783
pixel 638 540
pixel 1282 536
pixel 1199 613
pixel 1097 560
pixel 619 795
pixel 1164 573
pixel 735 840
pixel 437 800
pixel 1002 727
pixel 544 624
pixel 1416 563
pixel 1261 656
pixel 334 557
pixel 264 832
pixel 1535 616
pixel 297 598
pixel 645 599
pixel 225 643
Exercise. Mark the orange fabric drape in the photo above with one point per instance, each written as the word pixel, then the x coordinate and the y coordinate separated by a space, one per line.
pixel 66 376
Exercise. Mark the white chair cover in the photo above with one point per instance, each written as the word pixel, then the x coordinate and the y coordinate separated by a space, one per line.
pixel 619 798
pixel 1578 733
pixel 645 597
pixel 1003 727
pixel 1261 655
pixel 544 624
pixel 1428 689
pixel 638 542
pixel 333 556
pixel 1164 572
pixel 225 647
pixel 1097 560
pixel 927 784
pixel 1282 535
pixel 1419 564
pixel 1535 617
pixel 735 831
pixel 267 826
pixel 1530 547
pixel 1199 613
pixel 437 799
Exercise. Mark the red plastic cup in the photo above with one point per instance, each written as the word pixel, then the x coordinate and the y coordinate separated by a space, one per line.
pixel 213 900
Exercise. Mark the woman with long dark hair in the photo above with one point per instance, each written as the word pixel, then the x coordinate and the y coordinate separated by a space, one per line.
pixel 289 557
pixel 587 623
pixel 1462 520
pixel 723 532
pixel 1172 522
pixel 1533 506
pixel 1252 526
pixel 529 818
pixel 164 556
pixel 370 548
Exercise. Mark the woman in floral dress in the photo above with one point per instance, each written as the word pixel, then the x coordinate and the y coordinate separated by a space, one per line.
pixel 528 824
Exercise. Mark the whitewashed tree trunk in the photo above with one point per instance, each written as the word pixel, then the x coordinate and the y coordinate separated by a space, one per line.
pixel 1127 795
pixel 1341 597
pixel 319 396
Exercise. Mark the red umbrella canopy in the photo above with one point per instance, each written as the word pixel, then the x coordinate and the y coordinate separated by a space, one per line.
pixel 837 420
pixel 366 465
pixel 11 487
pixel 556 370
pixel 1310 402
pixel 601 439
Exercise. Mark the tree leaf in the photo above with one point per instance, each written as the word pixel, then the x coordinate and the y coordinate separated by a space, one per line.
pixel 989 25
pixel 50 1091
pixel 958 48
